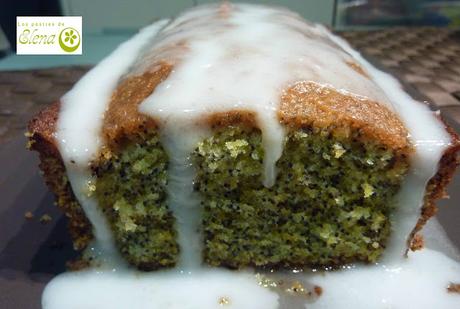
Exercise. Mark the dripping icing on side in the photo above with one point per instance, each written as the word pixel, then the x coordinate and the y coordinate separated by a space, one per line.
pixel 430 139
pixel 319 61
pixel 184 202
pixel 79 125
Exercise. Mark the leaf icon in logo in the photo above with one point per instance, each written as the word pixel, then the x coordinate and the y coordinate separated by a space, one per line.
pixel 70 37
pixel 67 38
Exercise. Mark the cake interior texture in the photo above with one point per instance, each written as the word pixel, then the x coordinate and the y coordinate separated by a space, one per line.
pixel 131 190
pixel 330 205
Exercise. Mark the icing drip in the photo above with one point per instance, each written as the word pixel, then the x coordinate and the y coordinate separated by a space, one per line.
pixel 79 125
pixel 183 201
pixel 241 57
pixel 429 141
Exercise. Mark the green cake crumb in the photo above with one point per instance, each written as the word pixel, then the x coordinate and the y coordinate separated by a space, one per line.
pixel 131 189
pixel 330 204
pixel 44 219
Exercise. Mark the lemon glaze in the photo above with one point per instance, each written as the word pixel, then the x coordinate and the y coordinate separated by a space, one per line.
pixel 242 56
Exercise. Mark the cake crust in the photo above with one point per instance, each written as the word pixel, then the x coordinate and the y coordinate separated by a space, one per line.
pixel 437 186
pixel 42 139
pixel 122 117
pixel 310 104
pixel 303 104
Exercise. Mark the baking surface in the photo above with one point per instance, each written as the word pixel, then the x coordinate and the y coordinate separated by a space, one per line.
pixel 31 252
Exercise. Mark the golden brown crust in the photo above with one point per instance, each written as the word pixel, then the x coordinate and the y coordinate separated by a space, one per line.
pixel 358 68
pixel 306 103
pixel 123 121
pixel 453 288
pixel 417 243
pixel 437 186
pixel 234 117
pixel 310 104
pixel 122 117
pixel 43 127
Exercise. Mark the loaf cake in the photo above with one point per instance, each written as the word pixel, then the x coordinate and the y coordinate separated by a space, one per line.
pixel 241 135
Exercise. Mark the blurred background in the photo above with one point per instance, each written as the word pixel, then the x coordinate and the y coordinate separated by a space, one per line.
pixel 108 22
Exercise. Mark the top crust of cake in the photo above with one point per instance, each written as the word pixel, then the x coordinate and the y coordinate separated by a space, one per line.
pixel 308 103
pixel 326 94
pixel 328 88
pixel 122 117
pixel 304 104
pixel 42 129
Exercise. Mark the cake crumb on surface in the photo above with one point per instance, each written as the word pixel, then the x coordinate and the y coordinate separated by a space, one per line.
pixel 297 288
pixel 45 218
pixel 78 264
pixel 30 141
pixel 453 288
pixel 289 287
pixel 28 215
pixel 90 187
pixel 224 301
pixel 29 144
pixel 318 290
pixel 418 242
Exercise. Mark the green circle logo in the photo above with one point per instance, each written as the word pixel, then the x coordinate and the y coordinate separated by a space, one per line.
pixel 69 39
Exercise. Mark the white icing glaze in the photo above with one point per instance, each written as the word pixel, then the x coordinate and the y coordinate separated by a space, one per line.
pixel 418 282
pixel 242 57
pixel 178 140
pixel 203 289
pixel 80 121
pixel 231 61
